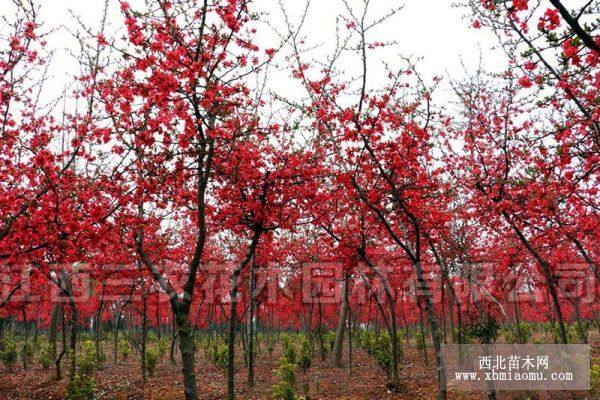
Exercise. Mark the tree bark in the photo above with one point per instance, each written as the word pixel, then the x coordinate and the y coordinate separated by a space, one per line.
pixel 251 327
pixel 339 335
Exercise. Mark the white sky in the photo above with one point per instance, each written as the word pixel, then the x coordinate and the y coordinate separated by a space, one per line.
pixel 431 29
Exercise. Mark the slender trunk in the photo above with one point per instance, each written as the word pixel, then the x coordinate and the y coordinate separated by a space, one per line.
pixel 517 318
pixel 404 317
pixel 443 306
pixel 451 316
pixel 435 336
pixel 186 346
pixel 321 333
pixel 63 350
pixel 73 339
pixel 232 317
pixel 349 343
pixel 251 327
pixel 173 338
pixel 231 338
pixel 422 330
pixel 144 332
pixel 339 336
pixel 97 321
pixel 580 328
pixel 53 329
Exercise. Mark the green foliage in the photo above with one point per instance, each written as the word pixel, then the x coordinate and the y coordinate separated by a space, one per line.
pixel 124 348
pixel 82 387
pixel 152 355
pixel 289 349
pixel 485 330
pixel 27 352
pixel 45 355
pixel 205 342
pixel 8 354
pixel 100 354
pixel 595 374
pixel 330 339
pixel 218 354
pixel 511 333
pixel 465 338
pixel 305 358
pixel 380 348
pixel 162 346
pixel 86 360
pixel 285 389
pixel 572 336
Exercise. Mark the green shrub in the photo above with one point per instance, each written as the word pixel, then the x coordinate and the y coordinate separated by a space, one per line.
pixel 218 354
pixel 9 355
pixel 382 352
pixel 82 387
pixel 595 374
pixel 485 330
pixel 124 349
pixel 86 360
pixel 289 349
pixel 162 347
pixel 420 339
pixel 510 334
pixel 152 355
pixel 465 338
pixel 100 354
pixel 305 358
pixel 330 339
pixel 572 336
pixel 285 389
pixel 27 352
pixel 45 355
pixel 380 348
pixel 151 337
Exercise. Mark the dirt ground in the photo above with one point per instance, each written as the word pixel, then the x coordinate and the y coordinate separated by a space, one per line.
pixel 364 381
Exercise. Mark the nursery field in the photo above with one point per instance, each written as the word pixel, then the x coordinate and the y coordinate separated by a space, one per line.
pixel 362 377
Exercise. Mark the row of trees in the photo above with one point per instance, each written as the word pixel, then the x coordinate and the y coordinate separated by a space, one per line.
pixel 177 162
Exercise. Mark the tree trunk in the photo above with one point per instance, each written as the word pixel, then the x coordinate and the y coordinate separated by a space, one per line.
pixel 251 328
pixel 173 339
pixel 186 346
pixel 97 322
pixel 144 332
pixel 435 336
pixel 339 335
pixel 53 329
pixel 422 330
pixel 231 338
pixel 63 350
pixel 349 343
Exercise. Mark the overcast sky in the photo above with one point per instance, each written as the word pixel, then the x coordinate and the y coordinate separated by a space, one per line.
pixel 431 29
